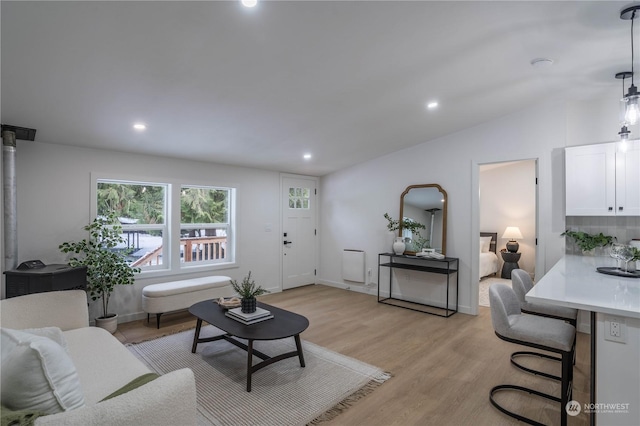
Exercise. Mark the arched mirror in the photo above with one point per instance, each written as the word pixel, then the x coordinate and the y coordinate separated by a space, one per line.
pixel 424 206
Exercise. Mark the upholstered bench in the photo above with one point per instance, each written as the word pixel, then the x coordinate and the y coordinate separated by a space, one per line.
pixel 176 295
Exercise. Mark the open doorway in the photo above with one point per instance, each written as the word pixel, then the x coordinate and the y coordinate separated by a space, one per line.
pixel 507 208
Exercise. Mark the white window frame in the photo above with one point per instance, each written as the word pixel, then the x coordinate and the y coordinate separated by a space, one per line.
pixel 229 228
pixel 171 264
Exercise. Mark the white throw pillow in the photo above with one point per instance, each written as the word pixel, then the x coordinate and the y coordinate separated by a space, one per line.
pixel 486 244
pixel 37 374
pixel 53 333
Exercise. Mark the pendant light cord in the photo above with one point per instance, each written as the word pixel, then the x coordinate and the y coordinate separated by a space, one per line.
pixel 633 17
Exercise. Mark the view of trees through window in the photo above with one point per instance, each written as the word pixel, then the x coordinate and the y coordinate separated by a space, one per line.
pixel 142 211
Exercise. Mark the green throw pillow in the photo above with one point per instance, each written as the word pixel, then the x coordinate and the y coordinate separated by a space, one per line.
pixel 15 418
pixel 135 383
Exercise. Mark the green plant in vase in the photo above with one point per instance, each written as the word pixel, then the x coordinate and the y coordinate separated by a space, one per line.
pixel 247 289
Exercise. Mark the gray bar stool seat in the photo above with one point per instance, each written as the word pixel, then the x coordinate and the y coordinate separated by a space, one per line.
pixel 522 283
pixel 538 332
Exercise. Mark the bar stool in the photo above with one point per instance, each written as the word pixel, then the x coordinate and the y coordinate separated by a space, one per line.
pixel 521 283
pixel 537 332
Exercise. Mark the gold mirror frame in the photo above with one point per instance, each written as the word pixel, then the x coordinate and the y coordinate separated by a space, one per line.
pixel 444 210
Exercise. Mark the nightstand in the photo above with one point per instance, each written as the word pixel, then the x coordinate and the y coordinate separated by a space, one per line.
pixel 510 263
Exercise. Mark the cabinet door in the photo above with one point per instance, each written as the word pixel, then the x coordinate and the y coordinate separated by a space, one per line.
pixel 628 180
pixel 590 180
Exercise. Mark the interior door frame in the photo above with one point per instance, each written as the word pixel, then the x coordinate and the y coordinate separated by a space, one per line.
pixel 475 226
pixel 284 176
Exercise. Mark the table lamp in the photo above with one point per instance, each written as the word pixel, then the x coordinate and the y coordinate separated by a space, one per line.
pixel 512 233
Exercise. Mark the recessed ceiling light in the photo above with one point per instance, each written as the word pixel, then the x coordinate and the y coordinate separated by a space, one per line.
pixel 541 62
pixel 249 3
pixel 432 105
pixel 140 126
pixel 307 156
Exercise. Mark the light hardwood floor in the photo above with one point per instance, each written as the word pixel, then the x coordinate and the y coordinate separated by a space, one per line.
pixel 443 368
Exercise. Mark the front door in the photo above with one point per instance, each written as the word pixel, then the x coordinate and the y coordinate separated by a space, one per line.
pixel 298 231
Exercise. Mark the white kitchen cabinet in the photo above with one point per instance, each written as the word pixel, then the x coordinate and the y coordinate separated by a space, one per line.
pixel 603 180
pixel 628 180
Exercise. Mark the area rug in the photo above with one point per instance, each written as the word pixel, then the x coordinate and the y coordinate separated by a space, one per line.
pixel 282 393
pixel 483 299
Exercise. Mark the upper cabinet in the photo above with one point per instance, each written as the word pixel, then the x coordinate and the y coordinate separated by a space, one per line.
pixel 603 180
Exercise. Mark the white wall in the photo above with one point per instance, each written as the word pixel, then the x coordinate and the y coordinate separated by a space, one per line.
pixel 354 200
pixel 54 200
pixel 508 198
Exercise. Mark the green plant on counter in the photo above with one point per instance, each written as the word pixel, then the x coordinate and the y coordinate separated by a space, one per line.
pixel 588 242
pixel 636 254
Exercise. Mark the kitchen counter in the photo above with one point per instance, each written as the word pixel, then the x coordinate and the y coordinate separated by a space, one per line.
pixel 615 362
pixel 574 282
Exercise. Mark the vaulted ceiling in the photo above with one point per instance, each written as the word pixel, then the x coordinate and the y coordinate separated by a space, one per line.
pixel 345 81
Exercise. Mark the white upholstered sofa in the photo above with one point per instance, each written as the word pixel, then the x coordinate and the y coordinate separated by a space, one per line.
pixel 103 366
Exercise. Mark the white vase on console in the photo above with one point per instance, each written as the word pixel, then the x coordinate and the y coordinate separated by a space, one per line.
pixel 398 245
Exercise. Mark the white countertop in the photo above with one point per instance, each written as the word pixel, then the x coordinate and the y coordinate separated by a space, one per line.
pixel 574 282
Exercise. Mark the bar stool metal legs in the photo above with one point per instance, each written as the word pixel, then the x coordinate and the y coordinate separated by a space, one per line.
pixel 549 335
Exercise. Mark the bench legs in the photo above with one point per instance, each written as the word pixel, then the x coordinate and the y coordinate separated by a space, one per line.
pixel 157 320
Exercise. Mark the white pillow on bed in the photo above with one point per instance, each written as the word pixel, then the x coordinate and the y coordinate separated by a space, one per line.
pixel 485 244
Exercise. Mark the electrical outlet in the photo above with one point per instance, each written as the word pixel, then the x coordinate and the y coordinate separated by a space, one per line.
pixel 369 272
pixel 615 329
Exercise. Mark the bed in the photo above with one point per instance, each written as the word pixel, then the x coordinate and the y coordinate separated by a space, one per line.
pixel 489 263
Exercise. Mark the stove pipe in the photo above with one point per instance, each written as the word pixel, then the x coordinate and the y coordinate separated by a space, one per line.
pixel 10 199
pixel 9 136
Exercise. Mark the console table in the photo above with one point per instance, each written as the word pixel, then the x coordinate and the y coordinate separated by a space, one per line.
pixel 447 266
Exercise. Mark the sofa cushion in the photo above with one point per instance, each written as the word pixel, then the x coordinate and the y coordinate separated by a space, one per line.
pixel 104 364
pixel 37 374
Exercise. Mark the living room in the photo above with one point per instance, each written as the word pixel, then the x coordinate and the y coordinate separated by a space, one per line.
pixel 55 177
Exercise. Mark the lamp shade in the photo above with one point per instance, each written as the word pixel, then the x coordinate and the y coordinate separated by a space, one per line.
pixel 512 233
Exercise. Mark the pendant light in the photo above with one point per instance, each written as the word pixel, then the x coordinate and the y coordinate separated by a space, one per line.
pixel 630 100
pixel 624 131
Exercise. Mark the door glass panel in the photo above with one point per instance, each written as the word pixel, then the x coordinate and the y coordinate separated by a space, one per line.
pixel 299 198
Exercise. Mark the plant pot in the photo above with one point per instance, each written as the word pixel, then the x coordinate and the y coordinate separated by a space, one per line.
pixel 248 306
pixel 398 246
pixel 109 323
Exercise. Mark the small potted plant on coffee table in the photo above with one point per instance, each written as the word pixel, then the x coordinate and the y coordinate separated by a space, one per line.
pixel 248 290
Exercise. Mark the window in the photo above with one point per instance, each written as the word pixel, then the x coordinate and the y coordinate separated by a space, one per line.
pixel 142 212
pixel 299 198
pixel 204 224
pixel 205 233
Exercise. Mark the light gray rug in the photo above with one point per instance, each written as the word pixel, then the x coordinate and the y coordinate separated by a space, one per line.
pixel 282 393
pixel 483 299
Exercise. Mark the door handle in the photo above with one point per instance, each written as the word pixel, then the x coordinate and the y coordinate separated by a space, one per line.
pixel 287 242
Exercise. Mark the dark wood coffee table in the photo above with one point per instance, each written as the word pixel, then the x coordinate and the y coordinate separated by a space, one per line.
pixel 284 324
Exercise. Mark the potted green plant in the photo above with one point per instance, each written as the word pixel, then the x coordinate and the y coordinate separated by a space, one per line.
pixel 418 242
pixel 588 242
pixel 106 267
pixel 248 290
